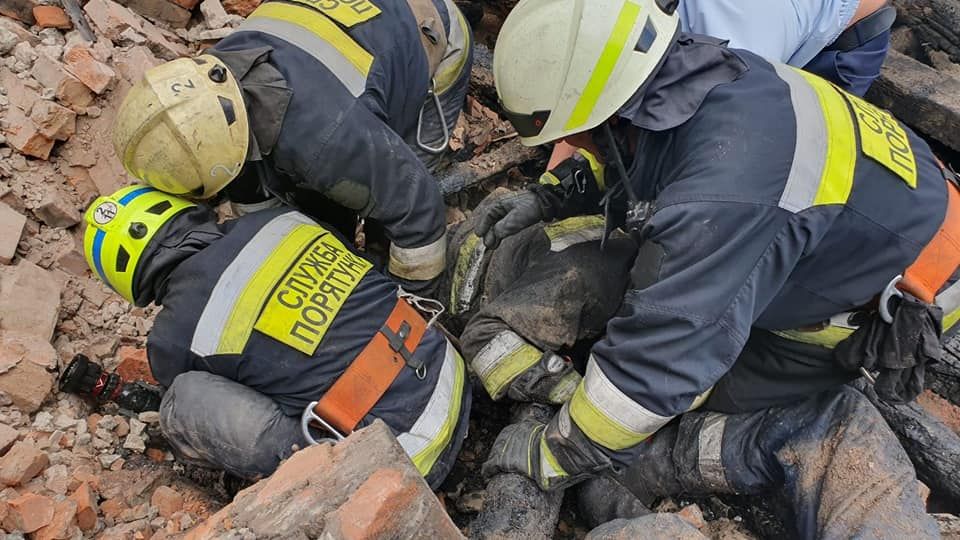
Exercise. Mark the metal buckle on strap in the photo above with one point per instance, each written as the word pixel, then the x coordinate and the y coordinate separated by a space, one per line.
pixel 309 416
pixel 889 292
pixel 443 123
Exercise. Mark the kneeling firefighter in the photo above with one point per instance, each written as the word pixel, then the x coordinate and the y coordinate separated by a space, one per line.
pixel 792 236
pixel 274 334
pixel 340 109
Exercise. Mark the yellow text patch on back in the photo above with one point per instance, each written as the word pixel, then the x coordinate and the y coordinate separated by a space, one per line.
pixel 346 12
pixel 884 140
pixel 309 296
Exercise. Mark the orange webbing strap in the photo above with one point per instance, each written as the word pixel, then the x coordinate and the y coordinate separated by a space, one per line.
pixel 365 381
pixel 939 258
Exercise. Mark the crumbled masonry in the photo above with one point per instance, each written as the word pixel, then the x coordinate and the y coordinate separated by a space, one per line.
pixel 70 470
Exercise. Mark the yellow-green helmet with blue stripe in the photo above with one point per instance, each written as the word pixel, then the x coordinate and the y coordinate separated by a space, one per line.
pixel 119 229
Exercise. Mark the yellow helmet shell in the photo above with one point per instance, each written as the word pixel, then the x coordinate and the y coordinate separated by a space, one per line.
pixel 119 229
pixel 183 128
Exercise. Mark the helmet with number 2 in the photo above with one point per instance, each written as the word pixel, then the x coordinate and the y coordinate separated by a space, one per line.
pixel 565 66
pixel 119 229
pixel 183 128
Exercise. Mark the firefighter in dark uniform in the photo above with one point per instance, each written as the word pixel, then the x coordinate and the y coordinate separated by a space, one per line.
pixel 775 214
pixel 337 108
pixel 274 333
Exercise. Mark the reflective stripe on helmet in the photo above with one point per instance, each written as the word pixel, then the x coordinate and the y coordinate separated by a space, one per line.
pixel 626 21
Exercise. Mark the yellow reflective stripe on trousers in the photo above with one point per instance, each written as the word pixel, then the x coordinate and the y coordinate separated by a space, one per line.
pixel 431 434
pixel 825 154
pixel 549 466
pixel 458 49
pixel 502 359
pixel 829 337
pixel 226 294
pixel 949 302
pixel 573 231
pixel 466 274
pixel 608 416
pixel 611 53
pixel 316 35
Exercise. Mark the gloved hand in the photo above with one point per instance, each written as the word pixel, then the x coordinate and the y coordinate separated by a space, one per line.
pixel 554 455
pixel 514 213
pixel 552 380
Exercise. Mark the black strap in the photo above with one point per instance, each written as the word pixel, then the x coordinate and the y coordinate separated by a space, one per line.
pixel 866 29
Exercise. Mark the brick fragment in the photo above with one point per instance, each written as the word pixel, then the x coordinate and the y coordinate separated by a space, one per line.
pixel 53 121
pixel 160 10
pixel 24 135
pixel 214 14
pixel 26 380
pixel 82 64
pixel 56 211
pixel 111 18
pixel 22 10
pixel 52 17
pixel 18 93
pixel 242 8
pixel 163 44
pixel 86 501
pixel 11 228
pixel 132 63
pixel 186 4
pixel 167 500
pixel 64 518
pixel 112 508
pixel 134 365
pixel 21 463
pixel 369 469
pixel 8 436
pixel 29 512
pixel 29 300
pixel 53 75
pixel 24 34
pixel 692 515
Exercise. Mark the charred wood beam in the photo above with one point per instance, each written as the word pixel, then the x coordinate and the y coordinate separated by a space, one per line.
pixel 933 448
pixel 466 174
pixel 514 506
pixel 921 97
pixel 936 22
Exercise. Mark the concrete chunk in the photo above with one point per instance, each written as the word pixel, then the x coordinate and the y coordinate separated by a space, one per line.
pixel 11 228
pixel 29 300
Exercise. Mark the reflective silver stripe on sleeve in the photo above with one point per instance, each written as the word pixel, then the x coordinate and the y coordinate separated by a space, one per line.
pixel 492 354
pixel 213 319
pixel 432 432
pixel 573 238
pixel 466 278
pixel 352 78
pixel 810 152
pixel 617 406
pixel 710 462
pixel 420 263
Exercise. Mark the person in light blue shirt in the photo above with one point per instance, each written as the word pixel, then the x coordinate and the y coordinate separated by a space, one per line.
pixel 844 41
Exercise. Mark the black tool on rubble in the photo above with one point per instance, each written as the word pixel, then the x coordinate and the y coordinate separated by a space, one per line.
pixel 88 379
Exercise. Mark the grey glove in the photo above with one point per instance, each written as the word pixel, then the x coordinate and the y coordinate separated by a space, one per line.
pixel 551 380
pixel 514 213
pixel 554 455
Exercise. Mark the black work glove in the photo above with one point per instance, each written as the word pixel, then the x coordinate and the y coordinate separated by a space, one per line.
pixel 898 352
pixel 516 212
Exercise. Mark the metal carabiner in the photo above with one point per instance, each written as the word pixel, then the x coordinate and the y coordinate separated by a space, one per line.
pixel 309 416
pixel 443 123
pixel 889 291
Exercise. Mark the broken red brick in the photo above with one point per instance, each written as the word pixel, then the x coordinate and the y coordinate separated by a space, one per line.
pixel 692 515
pixel 134 365
pixel 132 63
pixel 161 10
pixel 68 89
pixel 378 506
pixel 162 43
pixel 11 227
pixel 8 436
pixel 21 463
pixel 29 512
pixel 18 93
pixel 51 17
pixel 111 18
pixel 28 382
pixel 54 121
pixel 242 8
pixel 22 10
pixel 29 301
pixel 112 508
pixel 64 517
pixel 18 29
pixel 186 4
pixel 86 501
pixel 55 211
pixel 80 62
pixel 25 136
pixel 167 500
